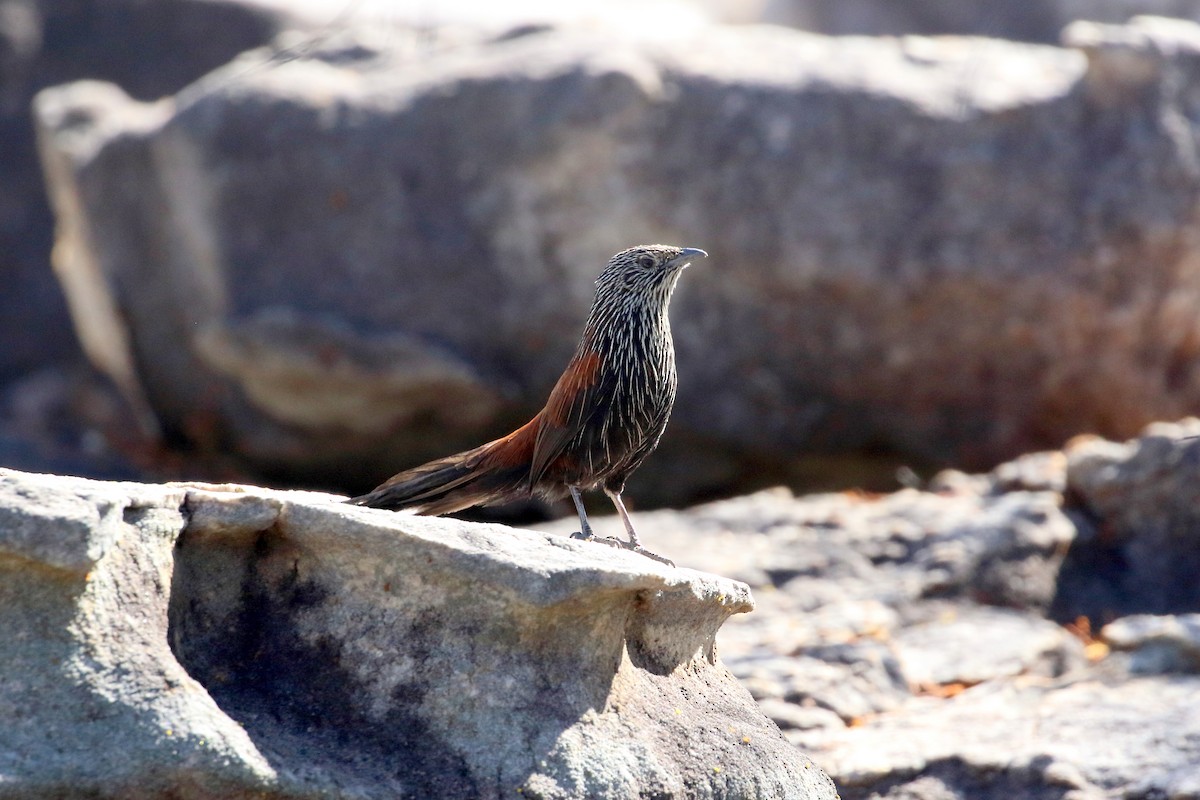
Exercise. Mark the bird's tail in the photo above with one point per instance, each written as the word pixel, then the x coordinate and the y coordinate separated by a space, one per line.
pixel 487 475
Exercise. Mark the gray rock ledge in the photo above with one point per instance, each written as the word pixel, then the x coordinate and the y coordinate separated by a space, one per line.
pixel 200 641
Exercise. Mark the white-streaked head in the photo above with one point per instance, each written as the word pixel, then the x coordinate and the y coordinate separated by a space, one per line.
pixel 648 268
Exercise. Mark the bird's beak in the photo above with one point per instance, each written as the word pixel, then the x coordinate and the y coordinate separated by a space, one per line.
pixel 688 255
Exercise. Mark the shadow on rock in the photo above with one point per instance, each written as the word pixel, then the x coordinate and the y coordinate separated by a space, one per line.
pixel 1136 506
pixel 236 621
pixel 375 654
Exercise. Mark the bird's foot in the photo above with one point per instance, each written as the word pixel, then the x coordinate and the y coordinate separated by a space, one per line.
pixel 588 536
pixel 637 548
pixel 612 541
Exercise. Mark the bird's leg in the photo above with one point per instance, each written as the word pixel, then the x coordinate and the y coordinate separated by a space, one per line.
pixel 634 543
pixel 585 530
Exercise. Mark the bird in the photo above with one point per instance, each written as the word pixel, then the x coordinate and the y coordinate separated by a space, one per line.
pixel 604 416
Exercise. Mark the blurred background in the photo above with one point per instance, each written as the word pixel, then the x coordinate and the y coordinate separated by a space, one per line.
pixel 313 243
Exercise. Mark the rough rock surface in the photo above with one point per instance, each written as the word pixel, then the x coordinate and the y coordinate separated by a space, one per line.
pixel 151 48
pixel 238 643
pixel 56 419
pixel 1137 507
pixel 929 645
pixel 1029 20
pixel 1158 643
pixel 875 209
pixel 913 643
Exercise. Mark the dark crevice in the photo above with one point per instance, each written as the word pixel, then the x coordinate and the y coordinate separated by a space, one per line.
pixel 234 625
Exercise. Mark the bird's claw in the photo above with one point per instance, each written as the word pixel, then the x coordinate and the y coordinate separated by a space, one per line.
pixel 652 556
pixel 613 541
pixel 588 536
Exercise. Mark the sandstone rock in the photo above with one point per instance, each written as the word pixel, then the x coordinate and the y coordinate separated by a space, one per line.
pixel 998 547
pixel 1082 739
pixel 238 642
pixel 867 601
pixel 875 210
pixel 1035 21
pixel 151 48
pixel 850 688
pixel 1137 507
pixel 1159 644
pixel 967 645
pixel 1031 21
pixel 792 716
pixel 56 417
pixel 870 645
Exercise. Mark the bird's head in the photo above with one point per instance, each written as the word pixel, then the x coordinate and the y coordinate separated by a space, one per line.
pixel 650 268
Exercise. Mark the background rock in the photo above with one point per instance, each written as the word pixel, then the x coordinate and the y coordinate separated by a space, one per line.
pixel 941 251
pixel 55 415
pixel 872 646
pixel 1160 644
pixel 1084 739
pixel 244 643
pixel 151 49
pixel 1030 20
pixel 918 644
pixel 1135 505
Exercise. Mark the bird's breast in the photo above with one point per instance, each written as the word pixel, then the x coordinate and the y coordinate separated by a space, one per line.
pixel 643 393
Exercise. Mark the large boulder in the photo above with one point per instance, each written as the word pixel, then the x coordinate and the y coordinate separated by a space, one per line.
pixel 151 48
pixel 339 265
pixel 56 415
pixel 226 642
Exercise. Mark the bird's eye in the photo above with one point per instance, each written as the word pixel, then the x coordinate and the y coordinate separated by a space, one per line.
pixel 646 262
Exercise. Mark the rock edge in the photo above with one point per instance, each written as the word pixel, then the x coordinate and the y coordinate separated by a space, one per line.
pixel 242 642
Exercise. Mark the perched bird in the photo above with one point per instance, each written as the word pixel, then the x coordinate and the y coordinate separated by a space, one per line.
pixel 603 417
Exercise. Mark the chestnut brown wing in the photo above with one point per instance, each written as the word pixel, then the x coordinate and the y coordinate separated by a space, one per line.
pixel 574 413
